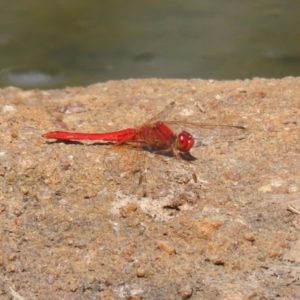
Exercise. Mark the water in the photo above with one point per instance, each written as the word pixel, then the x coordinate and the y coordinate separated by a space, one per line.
pixel 50 44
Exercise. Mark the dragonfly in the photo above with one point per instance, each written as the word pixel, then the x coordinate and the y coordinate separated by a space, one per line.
pixel 155 137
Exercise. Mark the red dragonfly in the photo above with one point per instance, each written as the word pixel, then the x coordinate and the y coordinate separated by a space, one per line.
pixel 154 136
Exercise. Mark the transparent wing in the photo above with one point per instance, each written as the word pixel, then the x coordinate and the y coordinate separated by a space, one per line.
pixel 163 114
pixel 159 184
pixel 208 133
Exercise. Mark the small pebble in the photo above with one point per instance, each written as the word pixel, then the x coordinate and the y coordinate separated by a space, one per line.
pixel 51 279
pixel 10 268
pixel 185 292
pixel 12 256
pixel 73 287
pixel 140 272
pixel 249 237
pixel 18 212
pixel 128 209
pixel 166 247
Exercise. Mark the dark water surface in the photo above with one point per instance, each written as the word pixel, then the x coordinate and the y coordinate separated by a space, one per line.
pixel 48 44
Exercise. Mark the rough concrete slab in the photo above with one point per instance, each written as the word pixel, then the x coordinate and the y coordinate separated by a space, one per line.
pixel 69 232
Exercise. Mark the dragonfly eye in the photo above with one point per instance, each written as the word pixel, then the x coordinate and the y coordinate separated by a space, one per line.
pixel 185 141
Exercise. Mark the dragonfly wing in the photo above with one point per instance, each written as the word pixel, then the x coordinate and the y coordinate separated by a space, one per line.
pixel 162 115
pixel 160 185
pixel 124 166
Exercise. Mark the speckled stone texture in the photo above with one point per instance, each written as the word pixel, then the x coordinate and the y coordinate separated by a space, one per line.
pixel 69 231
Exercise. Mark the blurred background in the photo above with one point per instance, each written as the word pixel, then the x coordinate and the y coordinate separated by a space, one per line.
pixel 58 43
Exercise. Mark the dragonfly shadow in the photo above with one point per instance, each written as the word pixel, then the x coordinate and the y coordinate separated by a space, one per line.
pixel 170 153
pixel 64 142
pixel 102 144
pixel 72 142
pixel 187 156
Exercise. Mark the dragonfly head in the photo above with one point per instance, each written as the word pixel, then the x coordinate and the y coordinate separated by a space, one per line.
pixel 184 142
